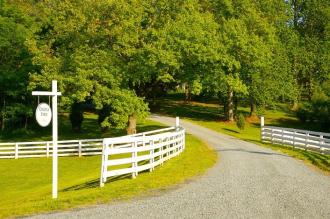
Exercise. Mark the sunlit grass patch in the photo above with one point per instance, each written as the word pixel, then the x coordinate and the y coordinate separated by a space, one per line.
pixel 210 115
pixel 26 183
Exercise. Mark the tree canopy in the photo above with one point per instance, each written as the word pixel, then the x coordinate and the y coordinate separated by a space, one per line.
pixel 113 55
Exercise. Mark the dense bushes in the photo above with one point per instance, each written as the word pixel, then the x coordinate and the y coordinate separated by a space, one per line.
pixel 316 111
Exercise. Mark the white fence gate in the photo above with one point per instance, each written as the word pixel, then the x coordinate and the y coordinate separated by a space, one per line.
pixel 136 153
pixel 301 139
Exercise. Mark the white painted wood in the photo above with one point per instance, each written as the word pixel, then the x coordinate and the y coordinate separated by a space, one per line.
pixel 79 148
pixel 156 149
pixel 55 134
pixel 47 149
pixel 316 141
pixel 46 93
pixel 16 151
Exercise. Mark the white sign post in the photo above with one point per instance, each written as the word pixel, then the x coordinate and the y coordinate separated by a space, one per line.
pixel 45 118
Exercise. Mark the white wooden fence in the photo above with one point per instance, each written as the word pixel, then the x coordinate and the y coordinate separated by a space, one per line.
pixel 45 148
pixel 136 153
pixel 65 148
pixel 301 139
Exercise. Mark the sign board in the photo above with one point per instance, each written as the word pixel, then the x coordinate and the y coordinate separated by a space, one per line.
pixel 43 114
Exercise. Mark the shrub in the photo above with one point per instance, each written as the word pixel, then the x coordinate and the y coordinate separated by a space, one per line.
pixel 240 121
pixel 316 111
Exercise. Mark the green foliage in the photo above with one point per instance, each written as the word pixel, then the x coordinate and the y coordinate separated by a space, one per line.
pixel 240 121
pixel 15 63
pixel 317 110
pixel 255 52
pixel 117 106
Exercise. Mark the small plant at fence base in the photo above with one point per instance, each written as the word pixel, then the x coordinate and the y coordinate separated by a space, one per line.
pixel 240 121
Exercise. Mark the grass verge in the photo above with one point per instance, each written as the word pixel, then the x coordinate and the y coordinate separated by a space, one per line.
pixel 209 115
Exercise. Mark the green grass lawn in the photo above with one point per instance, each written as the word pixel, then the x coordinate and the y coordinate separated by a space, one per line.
pixel 210 116
pixel 26 183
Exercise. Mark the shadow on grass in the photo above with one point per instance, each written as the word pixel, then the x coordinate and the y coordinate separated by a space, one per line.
pixel 230 130
pixel 187 110
pixel 319 160
pixel 95 183
pixel 253 152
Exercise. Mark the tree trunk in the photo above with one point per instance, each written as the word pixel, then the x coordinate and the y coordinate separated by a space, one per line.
pixel 131 125
pixel 76 116
pixel 230 105
pixel 187 92
pixel 3 115
pixel 223 101
pixel 235 106
pixel 309 90
pixel 253 107
pixel 26 122
pixel 295 105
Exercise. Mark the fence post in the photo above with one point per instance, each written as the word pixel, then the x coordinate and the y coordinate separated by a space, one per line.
pixel 143 138
pixel 262 124
pixel 167 147
pixel 47 149
pixel 152 159
pixel 177 122
pixel 306 141
pixel 184 140
pixel 282 137
pixel 16 150
pixel 104 164
pixel 271 139
pixel 321 143
pixel 134 162
pixel 161 151
pixel 79 148
pixel 294 138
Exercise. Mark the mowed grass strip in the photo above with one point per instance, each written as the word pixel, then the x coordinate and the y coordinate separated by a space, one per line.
pixel 26 183
pixel 209 115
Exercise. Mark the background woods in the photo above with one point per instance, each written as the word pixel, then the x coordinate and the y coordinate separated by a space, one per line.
pixel 111 57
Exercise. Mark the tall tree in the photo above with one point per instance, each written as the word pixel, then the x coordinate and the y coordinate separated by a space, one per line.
pixel 15 63
pixel 86 46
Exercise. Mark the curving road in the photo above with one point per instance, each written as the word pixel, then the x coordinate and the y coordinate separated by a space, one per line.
pixel 248 182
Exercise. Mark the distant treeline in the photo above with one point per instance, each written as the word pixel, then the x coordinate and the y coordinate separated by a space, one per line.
pixel 110 55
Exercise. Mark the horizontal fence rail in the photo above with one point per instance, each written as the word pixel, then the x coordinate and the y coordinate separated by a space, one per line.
pixel 301 139
pixel 45 148
pixel 15 150
pixel 141 152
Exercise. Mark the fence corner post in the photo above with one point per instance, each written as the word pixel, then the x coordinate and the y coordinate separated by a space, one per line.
pixel 177 122
pixel 104 164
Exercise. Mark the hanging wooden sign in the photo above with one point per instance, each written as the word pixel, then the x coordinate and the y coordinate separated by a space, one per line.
pixel 43 114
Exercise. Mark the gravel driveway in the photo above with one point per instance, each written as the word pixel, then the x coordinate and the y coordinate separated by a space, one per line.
pixel 248 182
